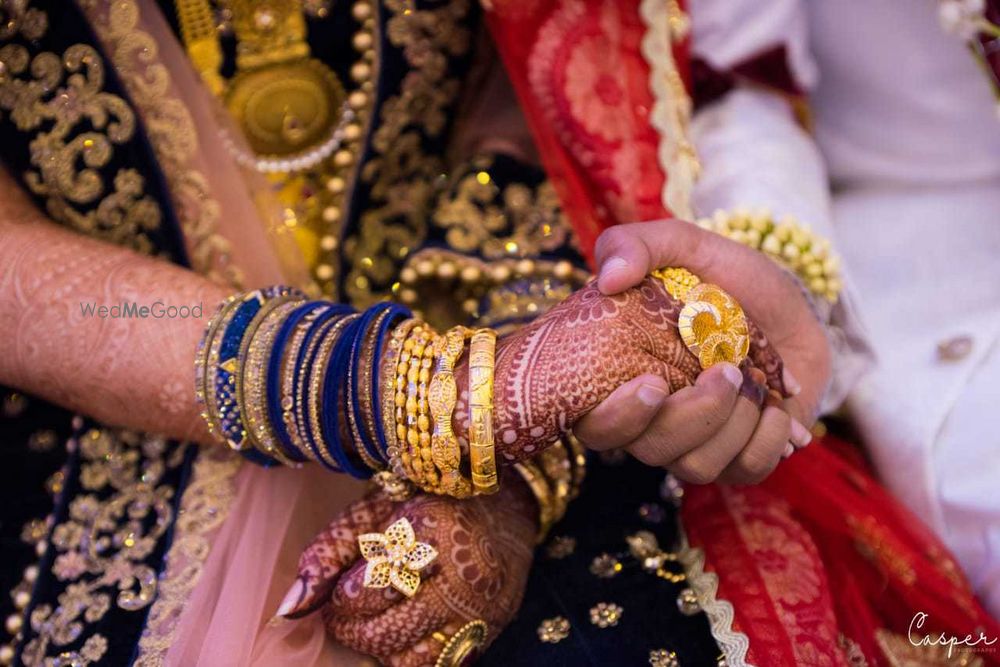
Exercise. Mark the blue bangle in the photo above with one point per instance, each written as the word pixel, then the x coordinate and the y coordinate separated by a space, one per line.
pixel 274 409
pixel 304 369
pixel 333 388
pixel 230 418
pixel 379 448
pixel 356 416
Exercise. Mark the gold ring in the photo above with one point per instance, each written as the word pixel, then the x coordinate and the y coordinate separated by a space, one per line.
pixel 711 323
pixel 470 638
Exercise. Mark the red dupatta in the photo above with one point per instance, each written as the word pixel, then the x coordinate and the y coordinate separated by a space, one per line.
pixel 821 565
pixel 585 88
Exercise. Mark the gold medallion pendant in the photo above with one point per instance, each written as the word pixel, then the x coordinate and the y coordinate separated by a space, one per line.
pixel 291 113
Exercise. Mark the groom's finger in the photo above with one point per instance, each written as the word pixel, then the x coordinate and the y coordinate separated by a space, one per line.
pixel 625 254
pixel 689 417
pixel 624 414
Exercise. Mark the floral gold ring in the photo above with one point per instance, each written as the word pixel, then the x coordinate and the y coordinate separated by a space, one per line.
pixel 395 558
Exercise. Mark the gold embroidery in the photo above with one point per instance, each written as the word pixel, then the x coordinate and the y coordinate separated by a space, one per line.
pixel 401 174
pixel 16 17
pixel 475 220
pixel 204 507
pixel 104 543
pixel 86 123
pixel 874 543
pixel 171 132
pixel 553 630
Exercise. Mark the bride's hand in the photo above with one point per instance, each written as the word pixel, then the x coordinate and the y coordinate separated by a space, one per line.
pixel 559 368
pixel 484 548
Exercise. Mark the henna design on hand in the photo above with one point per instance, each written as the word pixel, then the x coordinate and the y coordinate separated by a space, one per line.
pixel 484 545
pixel 127 371
pixel 555 370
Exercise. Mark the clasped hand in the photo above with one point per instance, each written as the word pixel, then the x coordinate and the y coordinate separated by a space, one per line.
pixel 609 363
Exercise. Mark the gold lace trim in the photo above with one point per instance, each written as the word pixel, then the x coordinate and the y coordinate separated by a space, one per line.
pixel 171 132
pixel 667 24
pixel 402 175
pixel 114 523
pixel 734 644
pixel 66 94
pixel 204 507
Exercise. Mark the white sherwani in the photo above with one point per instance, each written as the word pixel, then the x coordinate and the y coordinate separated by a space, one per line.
pixel 907 138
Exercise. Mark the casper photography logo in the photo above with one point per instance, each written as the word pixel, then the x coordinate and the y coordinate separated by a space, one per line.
pixel 978 642
pixel 156 310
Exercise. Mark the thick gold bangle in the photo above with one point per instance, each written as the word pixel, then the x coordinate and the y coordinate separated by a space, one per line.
pixel 533 477
pixel 711 322
pixel 411 400
pixel 482 445
pixel 442 396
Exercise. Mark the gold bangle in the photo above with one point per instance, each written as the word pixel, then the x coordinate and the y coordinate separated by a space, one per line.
pixel 393 480
pixel 482 445
pixel 533 477
pixel 578 461
pixel 711 322
pixel 253 399
pixel 787 242
pixel 470 638
pixel 554 463
pixel 442 396
pixel 410 406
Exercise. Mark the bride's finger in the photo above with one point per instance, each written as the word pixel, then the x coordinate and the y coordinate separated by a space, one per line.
pixel 766 358
pixel 330 552
pixel 350 598
pixel 400 626
pixel 425 651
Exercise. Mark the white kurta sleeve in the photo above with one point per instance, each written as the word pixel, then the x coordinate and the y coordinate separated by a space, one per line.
pixel 755 154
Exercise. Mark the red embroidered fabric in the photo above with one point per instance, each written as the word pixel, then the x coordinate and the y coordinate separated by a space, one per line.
pixel 583 84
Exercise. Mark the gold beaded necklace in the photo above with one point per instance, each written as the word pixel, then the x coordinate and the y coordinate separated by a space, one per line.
pixel 303 128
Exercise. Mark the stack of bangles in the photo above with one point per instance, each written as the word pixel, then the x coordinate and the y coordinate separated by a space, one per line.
pixel 285 380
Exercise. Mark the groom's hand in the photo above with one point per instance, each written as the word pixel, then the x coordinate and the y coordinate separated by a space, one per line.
pixel 715 423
